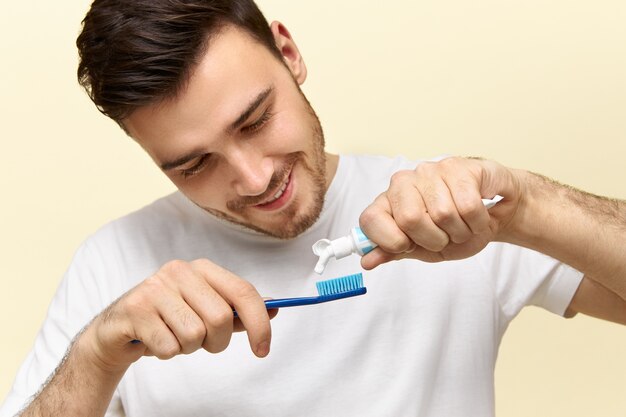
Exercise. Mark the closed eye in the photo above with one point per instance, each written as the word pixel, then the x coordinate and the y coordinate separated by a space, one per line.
pixel 203 161
pixel 259 123
pixel 197 167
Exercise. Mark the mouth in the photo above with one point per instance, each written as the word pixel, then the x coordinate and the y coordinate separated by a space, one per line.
pixel 280 197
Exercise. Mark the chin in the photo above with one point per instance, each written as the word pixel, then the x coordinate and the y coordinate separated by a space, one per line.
pixel 286 224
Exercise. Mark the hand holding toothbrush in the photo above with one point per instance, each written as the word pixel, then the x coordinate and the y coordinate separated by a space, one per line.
pixel 436 213
pixel 183 307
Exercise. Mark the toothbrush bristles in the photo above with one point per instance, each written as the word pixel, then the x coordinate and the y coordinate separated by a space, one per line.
pixel 340 285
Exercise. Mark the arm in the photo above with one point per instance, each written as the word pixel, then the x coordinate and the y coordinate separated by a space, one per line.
pixel 589 233
pixel 77 387
pixel 585 231
pixel 182 308
pixel 434 213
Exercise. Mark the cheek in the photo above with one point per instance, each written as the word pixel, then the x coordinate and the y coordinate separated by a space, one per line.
pixel 204 191
pixel 290 133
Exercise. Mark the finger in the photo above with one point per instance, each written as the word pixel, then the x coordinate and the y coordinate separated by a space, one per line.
pixel 410 212
pixel 453 251
pixel 443 211
pixel 377 257
pixel 241 295
pixel 272 312
pixel 182 320
pixel 199 317
pixel 142 321
pixel 238 325
pixel 378 224
pixel 111 333
pixel 158 338
pixel 469 205
pixel 215 314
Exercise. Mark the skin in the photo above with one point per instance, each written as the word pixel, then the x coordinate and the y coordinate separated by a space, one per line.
pixel 245 166
pixel 187 306
pixel 433 213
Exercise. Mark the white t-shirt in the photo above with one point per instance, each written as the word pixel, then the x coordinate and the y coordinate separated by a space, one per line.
pixel 422 342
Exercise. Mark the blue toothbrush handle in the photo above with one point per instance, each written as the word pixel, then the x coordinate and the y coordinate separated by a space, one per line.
pixel 303 301
pixel 288 302
pixel 292 302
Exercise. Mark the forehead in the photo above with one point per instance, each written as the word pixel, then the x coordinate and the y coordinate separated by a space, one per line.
pixel 234 69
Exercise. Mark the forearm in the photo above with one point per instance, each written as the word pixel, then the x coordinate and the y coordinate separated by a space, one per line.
pixel 583 230
pixel 78 387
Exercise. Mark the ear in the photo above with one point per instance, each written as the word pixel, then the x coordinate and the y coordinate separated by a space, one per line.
pixel 290 52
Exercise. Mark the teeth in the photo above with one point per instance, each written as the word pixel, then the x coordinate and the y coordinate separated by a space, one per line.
pixel 280 192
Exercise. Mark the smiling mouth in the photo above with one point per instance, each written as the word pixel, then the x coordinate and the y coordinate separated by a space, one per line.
pixel 280 191
pixel 277 195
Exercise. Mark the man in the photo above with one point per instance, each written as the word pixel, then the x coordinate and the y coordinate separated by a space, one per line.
pixel 211 92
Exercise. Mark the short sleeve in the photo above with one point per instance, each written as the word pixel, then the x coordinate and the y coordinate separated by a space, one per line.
pixel 77 300
pixel 526 277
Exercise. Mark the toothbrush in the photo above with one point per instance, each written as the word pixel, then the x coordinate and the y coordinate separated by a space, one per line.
pixel 330 290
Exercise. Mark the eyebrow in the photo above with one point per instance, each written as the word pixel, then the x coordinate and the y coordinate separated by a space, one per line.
pixel 254 104
pixel 166 166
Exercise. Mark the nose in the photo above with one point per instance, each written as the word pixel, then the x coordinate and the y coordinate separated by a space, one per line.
pixel 252 172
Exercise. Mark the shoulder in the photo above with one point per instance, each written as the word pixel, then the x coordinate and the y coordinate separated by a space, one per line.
pixel 160 217
pixel 141 241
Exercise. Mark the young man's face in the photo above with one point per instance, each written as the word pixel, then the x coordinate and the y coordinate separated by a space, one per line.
pixel 240 140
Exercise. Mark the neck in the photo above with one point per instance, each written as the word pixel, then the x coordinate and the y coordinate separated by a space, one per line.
pixel 332 161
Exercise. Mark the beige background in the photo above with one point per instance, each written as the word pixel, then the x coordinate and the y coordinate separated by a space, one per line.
pixel 533 84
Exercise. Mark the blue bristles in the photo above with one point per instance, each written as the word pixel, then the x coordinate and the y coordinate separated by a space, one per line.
pixel 333 289
pixel 340 285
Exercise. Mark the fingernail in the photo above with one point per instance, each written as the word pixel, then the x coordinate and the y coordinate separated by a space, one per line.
pixel 263 349
pixel 411 249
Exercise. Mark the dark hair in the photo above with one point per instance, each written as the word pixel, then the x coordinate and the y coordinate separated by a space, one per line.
pixel 137 52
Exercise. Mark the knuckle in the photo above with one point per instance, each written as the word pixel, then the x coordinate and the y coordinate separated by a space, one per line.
pixel 449 162
pixel 217 344
pixel 220 319
pixel 243 290
pixel 442 215
pixel 166 354
pixel 468 209
pixel 368 216
pixel 152 283
pixel 191 334
pixel 202 263
pixel 425 168
pixel 407 219
pixel 174 268
pixel 194 329
pixel 135 302
pixel 165 348
pixel 401 176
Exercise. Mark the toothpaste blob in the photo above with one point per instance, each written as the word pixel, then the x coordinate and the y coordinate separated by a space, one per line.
pixel 357 242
